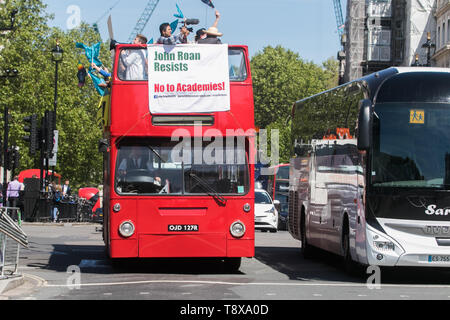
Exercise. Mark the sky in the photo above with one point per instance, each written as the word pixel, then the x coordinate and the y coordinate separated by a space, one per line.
pixel 307 27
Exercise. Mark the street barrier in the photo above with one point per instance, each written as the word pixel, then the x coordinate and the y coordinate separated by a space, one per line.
pixel 12 238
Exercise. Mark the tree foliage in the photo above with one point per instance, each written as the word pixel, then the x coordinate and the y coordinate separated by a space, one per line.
pixel 280 78
pixel 28 49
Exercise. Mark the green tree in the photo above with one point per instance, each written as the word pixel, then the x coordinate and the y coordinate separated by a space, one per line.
pixel 281 77
pixel 28 49
pixel 331 73
pixel 283 129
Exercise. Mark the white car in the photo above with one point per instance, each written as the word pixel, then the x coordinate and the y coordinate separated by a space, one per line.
pixel 266 215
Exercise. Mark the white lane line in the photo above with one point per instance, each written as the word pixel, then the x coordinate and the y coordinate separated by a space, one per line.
pixel 276 284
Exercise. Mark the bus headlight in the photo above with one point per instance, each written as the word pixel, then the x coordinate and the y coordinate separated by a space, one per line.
pixel 247 207
pixel 237 229
pixel 126 229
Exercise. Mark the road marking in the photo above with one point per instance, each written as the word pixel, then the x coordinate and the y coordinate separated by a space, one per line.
pixel 317 295
pixel 275 284
pixel 144 293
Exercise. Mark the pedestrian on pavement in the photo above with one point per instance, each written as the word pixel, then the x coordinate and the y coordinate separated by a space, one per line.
pixel 56 201
pixel 66 190
pixel 12 195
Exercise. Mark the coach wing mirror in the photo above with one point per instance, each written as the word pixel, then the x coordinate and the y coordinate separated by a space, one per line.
pixel 364 124
pixel 103 145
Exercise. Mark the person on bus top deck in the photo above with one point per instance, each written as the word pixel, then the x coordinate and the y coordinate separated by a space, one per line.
pixel 105 73
pixel 133 63
pixel 168 39
pixel 211 35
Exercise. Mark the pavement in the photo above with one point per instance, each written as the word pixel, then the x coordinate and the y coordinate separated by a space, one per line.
pixel 11 282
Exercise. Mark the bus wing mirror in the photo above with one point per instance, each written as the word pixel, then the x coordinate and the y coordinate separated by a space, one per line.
pixel 364 124
pixel 103 146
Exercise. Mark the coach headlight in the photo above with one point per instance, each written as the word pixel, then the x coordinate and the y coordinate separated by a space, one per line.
pixel 237 229
pixel 126 229
pixel 382 249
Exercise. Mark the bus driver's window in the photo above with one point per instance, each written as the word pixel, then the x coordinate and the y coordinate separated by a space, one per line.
pixel 133 65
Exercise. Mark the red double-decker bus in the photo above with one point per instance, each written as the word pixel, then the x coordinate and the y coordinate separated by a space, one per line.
pixel 167 206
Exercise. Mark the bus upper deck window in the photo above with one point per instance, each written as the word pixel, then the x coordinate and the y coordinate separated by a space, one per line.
pixel 133 65
pixel 238 69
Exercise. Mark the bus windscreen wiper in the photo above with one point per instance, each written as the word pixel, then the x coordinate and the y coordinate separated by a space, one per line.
pixel 156 153
pixel 213 193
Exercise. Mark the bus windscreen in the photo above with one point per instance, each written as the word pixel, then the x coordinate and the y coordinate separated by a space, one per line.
pixel 162 166
pixel 403 155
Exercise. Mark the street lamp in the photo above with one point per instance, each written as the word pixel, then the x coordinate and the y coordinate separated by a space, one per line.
pixel 5 74
pixel 416 61
pixel 57 57
pixel 428 45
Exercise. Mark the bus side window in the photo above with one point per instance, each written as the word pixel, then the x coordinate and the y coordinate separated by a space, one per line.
pixel 133 65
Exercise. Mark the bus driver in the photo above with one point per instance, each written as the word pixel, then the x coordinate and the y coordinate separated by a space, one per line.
pixel 138 159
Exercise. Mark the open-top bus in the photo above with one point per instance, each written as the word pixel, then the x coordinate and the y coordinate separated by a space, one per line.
pixel 179 206
pixel 370 179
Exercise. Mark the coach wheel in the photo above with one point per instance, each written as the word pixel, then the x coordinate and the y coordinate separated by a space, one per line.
pixel 232 264
pixel 306 248
pixel 350 266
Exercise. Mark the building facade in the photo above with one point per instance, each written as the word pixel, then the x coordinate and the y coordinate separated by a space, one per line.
pixel 385 33
pixel 441 56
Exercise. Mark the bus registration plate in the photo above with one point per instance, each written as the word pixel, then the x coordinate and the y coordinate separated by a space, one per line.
pixel 183 228
pixel 432 259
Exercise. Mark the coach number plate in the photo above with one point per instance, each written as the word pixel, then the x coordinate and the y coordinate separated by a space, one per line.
pixel 183 228
pixel 445 259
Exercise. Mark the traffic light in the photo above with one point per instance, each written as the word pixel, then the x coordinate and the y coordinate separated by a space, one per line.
pixel 9 159
pixel 49 126
pixel 12 159
pixel 32 128
pixel 16 159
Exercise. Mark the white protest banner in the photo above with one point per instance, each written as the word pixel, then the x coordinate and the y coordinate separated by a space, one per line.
pixel 188 78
